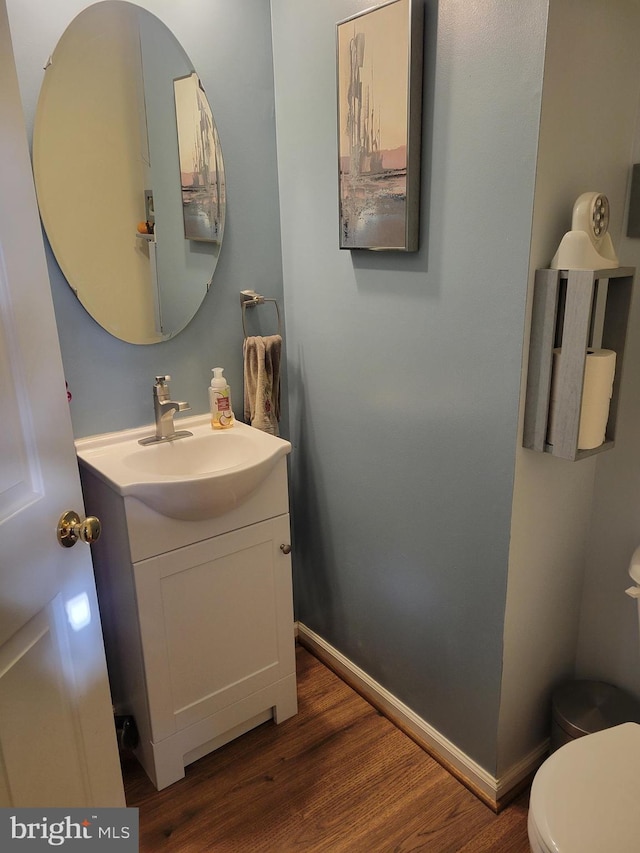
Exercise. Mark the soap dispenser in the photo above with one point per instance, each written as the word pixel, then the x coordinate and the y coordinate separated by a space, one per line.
pixel 220 401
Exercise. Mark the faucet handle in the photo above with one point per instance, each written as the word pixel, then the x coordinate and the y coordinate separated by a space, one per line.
pixel 161 389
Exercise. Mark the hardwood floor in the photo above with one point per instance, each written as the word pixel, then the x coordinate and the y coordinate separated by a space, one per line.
pixel 336 777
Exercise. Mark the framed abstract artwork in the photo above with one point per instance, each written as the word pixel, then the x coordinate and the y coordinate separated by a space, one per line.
pixel 379 77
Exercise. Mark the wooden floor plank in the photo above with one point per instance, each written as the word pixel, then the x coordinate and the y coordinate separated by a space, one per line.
pixel 336 777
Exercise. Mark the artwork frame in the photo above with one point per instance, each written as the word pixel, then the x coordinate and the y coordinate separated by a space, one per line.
pixel 202 181
pixel 380 126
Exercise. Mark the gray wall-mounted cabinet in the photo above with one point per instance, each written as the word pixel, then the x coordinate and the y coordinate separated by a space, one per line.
pixel 573 310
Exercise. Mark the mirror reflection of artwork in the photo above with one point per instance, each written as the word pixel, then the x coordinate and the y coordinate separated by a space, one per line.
pixel 379 99
pixel 201 175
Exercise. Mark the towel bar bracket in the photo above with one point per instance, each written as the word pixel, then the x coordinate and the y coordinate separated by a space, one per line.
pixel 249 298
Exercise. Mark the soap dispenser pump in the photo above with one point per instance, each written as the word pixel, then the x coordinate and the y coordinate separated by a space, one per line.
pixel 220 401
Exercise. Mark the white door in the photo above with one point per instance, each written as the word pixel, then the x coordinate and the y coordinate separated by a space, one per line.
pixel 57 740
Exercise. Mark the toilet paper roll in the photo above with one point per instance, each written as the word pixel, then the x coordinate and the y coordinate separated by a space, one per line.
pixel 599 371
pixel 597 388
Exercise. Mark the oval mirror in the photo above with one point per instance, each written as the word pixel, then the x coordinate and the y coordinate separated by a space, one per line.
pixel 129 173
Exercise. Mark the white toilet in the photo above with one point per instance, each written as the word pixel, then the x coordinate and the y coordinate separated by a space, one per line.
pixel 585 797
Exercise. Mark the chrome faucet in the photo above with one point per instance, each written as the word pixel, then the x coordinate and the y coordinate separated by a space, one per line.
pixel 164 410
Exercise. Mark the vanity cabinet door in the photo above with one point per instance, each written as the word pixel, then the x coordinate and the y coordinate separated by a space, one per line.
pixel 216 623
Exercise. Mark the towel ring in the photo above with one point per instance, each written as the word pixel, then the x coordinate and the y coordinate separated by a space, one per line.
pixel 249 299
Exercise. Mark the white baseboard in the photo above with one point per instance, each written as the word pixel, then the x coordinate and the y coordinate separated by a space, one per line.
pixel 489 788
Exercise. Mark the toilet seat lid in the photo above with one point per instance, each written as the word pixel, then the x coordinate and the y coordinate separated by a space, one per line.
pixel 585 796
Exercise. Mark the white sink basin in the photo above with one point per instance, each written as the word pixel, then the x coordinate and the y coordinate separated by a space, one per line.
pixel 193 478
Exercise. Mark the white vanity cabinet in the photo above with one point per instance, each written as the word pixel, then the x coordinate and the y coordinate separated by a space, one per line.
pixel 197 618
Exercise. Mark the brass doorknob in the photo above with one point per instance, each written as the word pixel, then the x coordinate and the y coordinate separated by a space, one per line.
pixel 70 529
pixel 286 549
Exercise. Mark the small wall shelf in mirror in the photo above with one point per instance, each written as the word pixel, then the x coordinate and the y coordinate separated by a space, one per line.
pixel 573 310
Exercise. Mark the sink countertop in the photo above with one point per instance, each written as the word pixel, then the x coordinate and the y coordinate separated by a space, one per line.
pixel 191 478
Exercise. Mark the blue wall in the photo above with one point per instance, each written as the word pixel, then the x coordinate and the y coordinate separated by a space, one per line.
pixel 404 370
pixel 230 46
